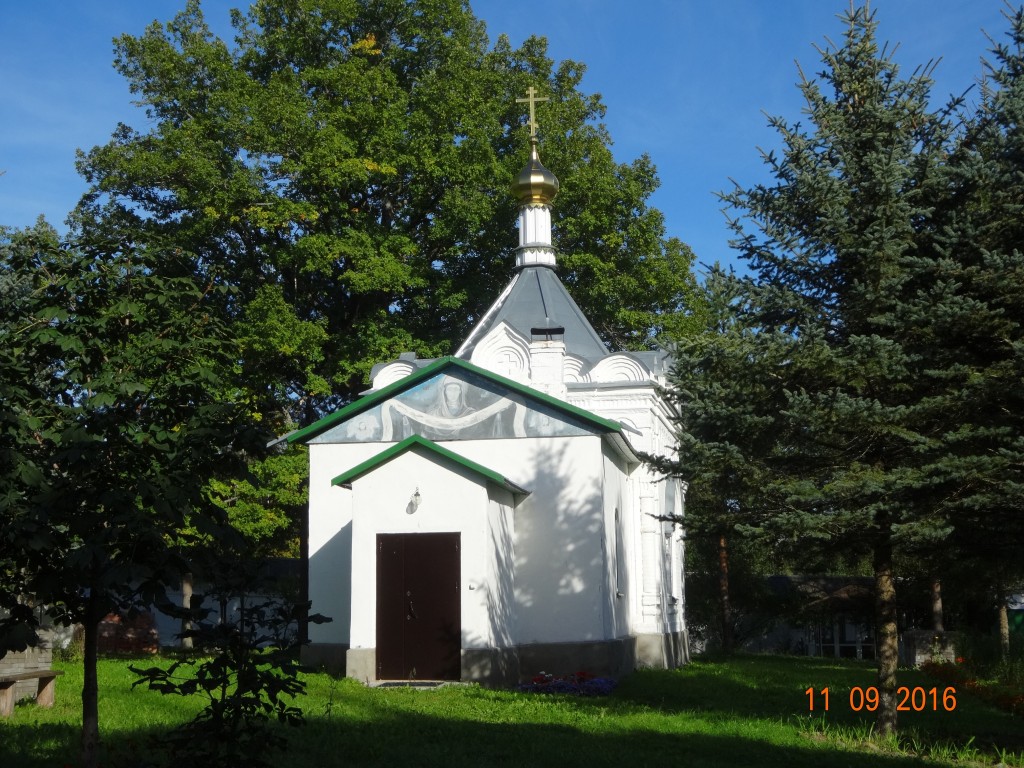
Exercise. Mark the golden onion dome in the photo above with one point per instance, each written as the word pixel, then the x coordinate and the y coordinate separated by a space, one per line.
pixel 535 183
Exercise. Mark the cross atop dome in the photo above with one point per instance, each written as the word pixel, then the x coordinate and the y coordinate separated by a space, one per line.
pixel 536 306
pixel 535 186
pixel 532 99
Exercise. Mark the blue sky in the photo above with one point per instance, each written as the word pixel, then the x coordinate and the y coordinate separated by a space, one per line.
pixel 686 82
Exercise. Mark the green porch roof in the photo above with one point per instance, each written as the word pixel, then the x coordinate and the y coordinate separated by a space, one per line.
pixel 421 442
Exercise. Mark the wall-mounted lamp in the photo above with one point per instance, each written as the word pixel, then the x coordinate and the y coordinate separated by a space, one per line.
pixel 414 502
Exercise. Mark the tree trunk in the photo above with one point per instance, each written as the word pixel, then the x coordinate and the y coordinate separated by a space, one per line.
pixel 723 593
pixel 90 688
pixel 1004 625
pixel 887 637
pixel 186 602
pixel 937 605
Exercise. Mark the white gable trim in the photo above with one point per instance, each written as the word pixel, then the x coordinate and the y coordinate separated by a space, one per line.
pixel 391 373
pixel 620 367
pixel 504 351
pixel 488 315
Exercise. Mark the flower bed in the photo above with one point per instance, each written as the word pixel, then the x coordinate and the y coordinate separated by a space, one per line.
pixel 1001 696
pixel 578 684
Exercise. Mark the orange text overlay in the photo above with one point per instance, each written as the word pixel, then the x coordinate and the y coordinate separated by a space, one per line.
pixel 915 699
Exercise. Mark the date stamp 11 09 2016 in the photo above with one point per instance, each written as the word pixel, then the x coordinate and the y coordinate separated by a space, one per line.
pixel 915 699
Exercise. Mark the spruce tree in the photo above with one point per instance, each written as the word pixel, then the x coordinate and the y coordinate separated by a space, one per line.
pixel 725 427
pixel 835 244
pixel 973 306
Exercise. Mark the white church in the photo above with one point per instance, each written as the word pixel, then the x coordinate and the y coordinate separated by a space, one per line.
pixel 485 516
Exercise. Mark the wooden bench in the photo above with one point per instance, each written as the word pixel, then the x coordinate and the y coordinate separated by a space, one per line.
pixel 44 695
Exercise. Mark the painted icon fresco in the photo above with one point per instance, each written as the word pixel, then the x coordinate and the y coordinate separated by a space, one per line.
pixel 454 406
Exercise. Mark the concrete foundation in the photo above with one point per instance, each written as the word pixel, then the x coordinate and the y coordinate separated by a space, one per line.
pixel 324 657
pixel 506 667
pixel 609 658
pixel 491 667
pixel 662 651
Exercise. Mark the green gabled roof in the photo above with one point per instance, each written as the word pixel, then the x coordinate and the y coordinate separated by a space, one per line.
pixel 411 442
pixel 397 387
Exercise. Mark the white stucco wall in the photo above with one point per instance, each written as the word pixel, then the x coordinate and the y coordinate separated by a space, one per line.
pixel 561 580
pixel 330 538
pixel 560 589
pixel 654 550
pixel 498 596
pixel 675 545
pixel 453 500
pixel 448 503
pixel 571 555
pixel 617 535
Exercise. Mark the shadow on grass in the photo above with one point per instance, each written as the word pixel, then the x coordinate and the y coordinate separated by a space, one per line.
pixel 760 687
pixel 415 739
pixel 55 745
pixel 774 688
pixel 379 736
pixel 753 712
pixel 38 745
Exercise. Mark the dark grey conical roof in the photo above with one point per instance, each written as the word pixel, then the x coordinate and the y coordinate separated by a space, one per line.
pixel 537 299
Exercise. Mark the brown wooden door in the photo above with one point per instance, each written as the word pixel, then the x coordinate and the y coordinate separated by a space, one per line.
pixel 419 616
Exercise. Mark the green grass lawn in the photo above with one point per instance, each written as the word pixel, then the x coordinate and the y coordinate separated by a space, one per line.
pixel 750 711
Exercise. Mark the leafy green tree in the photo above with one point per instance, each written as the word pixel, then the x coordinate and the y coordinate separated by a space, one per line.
pixel 265 504
pixel 111 436
pixel 246 672
pixel 22 384
pixel 837 243
pixel 345 165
